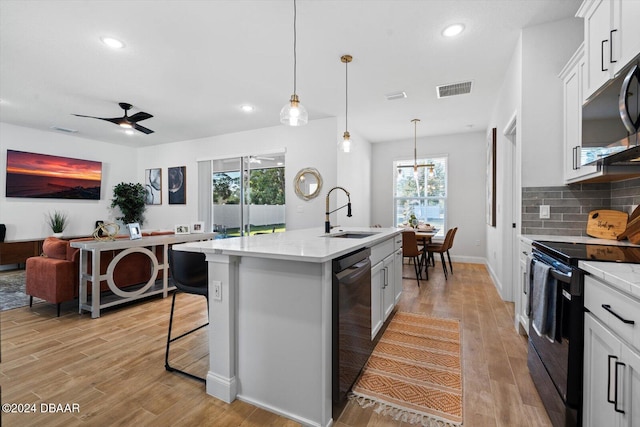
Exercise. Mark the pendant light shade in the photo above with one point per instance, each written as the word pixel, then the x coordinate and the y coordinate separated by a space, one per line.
pixel 293 113
pixel 346 137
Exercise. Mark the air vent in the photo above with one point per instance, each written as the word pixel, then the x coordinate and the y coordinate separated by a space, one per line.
pixel 395 95
pixel 453 89
pixel 67 130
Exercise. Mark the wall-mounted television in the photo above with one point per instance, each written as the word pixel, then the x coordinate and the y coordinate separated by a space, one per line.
pixel 54 177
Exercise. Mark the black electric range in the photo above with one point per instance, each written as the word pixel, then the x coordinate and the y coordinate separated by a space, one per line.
pixel 571 253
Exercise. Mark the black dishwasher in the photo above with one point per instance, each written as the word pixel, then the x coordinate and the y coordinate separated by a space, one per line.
pixel 351 320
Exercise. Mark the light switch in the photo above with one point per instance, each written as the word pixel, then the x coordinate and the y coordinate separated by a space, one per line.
pixel 545 212
pixel 217 290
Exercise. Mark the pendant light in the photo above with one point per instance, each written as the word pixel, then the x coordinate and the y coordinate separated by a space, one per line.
pixel 346 142
pixel 294 113
pixel 415 155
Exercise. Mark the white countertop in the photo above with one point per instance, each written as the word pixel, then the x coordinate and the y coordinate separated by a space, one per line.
pixel 309 245
pixel 623 276
pixel 576 239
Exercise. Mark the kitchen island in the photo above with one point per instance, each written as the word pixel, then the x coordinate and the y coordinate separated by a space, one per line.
pixel 270 312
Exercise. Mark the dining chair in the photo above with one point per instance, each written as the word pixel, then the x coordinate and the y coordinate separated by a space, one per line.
pixel 189 271
pixel 410 250
pixel 442 248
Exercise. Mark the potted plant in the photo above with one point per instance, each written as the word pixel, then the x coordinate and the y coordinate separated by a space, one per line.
pixel 130 198
pixel 58 222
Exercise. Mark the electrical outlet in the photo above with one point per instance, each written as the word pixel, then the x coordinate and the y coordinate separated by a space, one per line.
pixel 217 291
pixel 545 212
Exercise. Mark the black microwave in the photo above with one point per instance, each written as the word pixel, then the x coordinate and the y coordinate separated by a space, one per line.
pixel 610 121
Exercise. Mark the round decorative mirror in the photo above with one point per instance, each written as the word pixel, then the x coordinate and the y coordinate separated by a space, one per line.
pixel 308 183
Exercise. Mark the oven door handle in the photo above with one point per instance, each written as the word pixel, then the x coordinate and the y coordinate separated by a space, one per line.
pixel 559 276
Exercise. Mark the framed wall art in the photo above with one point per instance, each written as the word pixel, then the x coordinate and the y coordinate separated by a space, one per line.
pixel 177 183
pixel 53 177
pixel 491 177
pixel 153 185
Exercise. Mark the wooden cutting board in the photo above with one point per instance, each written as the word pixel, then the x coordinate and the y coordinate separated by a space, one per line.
pixel 606 224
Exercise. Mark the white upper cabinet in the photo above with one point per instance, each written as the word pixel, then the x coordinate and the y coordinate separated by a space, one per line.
pixel 572 76
pixel 612 39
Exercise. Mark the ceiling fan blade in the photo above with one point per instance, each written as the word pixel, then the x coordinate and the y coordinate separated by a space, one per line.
pixel 116 120
pixel 140 116
pixel 142 129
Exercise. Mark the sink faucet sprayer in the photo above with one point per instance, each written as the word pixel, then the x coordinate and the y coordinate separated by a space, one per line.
pixel 327 225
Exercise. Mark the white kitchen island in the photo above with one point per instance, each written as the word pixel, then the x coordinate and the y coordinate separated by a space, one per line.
pixel 270 313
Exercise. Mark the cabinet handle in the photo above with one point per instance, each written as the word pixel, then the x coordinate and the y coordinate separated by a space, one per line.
pixel 602 55
pixel 609 394
pixel 575 158
pixel 615 403
pixel 611 46
pixel 627 321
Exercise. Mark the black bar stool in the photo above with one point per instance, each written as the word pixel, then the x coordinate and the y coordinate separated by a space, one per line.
pixel 189 271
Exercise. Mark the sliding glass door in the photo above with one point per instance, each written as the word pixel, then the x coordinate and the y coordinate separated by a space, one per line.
pixel 248 195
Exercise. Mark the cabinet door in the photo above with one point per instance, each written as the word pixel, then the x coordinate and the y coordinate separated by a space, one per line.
pixel 388 288
pixel 601 352
pixel 397 275
pixel 625 35
pixel 377 282
pixel 573 84
pixel 631 402
pixel 597 27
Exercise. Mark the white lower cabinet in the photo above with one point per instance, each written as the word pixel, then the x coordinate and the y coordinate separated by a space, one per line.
pixel 611 378
pixel 377 282
pixel 611 395
pixel 397 274
pixel 522 295
pixel 386 281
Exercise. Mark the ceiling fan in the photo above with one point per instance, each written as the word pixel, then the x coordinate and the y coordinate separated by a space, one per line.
pixel 126 121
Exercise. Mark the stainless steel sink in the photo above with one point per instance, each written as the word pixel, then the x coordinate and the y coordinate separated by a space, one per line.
pixel 351 235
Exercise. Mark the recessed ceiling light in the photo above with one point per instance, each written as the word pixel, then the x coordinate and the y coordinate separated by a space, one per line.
pixel 112 43
pixel 247 108
pixel 453 30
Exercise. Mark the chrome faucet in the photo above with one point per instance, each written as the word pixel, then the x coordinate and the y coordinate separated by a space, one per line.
pixel 327 224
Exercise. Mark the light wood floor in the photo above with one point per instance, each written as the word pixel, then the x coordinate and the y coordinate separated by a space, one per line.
pixel 113 367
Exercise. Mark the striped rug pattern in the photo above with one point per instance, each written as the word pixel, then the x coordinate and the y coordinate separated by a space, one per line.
pixel 415 373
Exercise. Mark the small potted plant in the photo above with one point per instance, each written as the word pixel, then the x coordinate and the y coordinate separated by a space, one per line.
pixel 58 222
pixel 130 198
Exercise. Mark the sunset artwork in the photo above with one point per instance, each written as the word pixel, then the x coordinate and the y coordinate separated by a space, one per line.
pixel 45 176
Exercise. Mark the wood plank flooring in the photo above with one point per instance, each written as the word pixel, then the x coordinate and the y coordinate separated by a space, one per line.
pixel 113 367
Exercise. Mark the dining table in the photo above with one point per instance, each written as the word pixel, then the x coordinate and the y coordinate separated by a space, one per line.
pixel 424 236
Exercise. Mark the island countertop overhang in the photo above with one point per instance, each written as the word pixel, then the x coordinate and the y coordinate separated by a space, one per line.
pixel 306 245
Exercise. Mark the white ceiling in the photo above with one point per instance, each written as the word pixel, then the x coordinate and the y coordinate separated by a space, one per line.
pixel 193 63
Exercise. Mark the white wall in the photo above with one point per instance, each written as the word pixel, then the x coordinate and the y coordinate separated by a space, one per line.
pixel 354 174
pixel 545 51
pixel 313 145
pixel 25 217
pixel 532 90
pixel 466 186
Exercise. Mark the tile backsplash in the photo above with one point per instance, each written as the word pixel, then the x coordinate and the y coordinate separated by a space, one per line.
pixel 569 205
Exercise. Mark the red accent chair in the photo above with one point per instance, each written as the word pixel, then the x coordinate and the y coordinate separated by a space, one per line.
pixel 53 276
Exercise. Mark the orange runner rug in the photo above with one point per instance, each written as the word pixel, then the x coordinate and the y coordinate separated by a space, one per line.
pixel 415 372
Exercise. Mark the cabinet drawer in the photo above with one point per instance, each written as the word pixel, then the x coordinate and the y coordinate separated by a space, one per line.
pixel 382 250
pixel 614 309
pixel 398 241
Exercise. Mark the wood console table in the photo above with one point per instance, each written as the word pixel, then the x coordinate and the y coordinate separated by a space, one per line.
pixel 17 251
pixel 145 245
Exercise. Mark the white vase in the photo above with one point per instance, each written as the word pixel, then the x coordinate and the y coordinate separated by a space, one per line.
pixel 58 235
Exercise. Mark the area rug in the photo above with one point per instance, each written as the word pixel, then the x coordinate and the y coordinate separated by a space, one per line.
pixel 415 372
pixel 12 290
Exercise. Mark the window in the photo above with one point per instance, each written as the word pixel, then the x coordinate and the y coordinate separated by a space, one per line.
pixel 422 194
